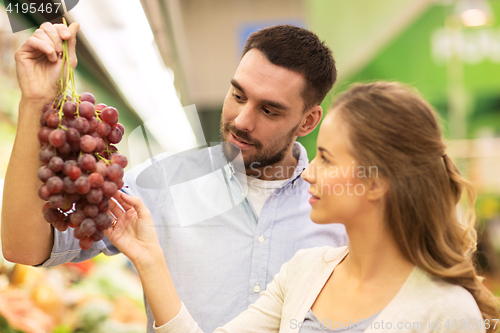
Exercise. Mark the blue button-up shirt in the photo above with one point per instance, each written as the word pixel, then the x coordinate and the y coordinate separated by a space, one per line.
pixel 220 254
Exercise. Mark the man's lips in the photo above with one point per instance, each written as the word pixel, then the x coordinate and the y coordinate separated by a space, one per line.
pixel 238 143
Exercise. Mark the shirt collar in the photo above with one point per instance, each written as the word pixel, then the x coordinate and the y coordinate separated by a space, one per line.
pixel 298 152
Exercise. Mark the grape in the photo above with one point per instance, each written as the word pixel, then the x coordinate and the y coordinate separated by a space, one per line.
pixel 100 145
pixel 97 235
pixel 74 172
pixel 87 162
pixel 91 210
pixel 82 125
pixel 44 173
pixel 43 192
pixel 77 217
pixel 47 107
pixel 51 215
pixel 119 159
pixel 96 179
pixel 65 149
pixel 119 183
pixel 69 109
pixel 109 115
pixel 45 154
pixel 54 184
pixel 93 122
pixel 56 163
pixel 67 166
pixel 86 243
pixel 94 196
pixel 69 185
pixel 100 106
pixel 101 168
pixel 56 200
pixel 53 121
pixel 72 135
pixel 43 121
pixel 72 197
pixel 120 126
pixel 87 97
pixel 103 129
pixel 103 206
pixel 115 135
pixel 49 113
pixel 61 225
pixel 115 172
pixel 79 235
pixel 82 185
pixel 75 134
pixel 57 138
pixel 43 134
pixel 109 188
pixel 87 227
pixel 87 143
pixel 86 109
pixel 103 221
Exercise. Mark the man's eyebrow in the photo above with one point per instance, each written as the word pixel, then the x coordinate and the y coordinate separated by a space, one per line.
pixel 276 105
pixel 273 104
pixel 237 85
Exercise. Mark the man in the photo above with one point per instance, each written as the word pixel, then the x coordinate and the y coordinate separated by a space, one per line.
pixel 227 216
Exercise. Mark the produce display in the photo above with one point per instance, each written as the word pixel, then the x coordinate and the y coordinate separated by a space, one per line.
pixel 82 167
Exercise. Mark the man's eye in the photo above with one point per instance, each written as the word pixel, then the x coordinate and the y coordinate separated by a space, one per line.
pixel 269 113
pixel 237 97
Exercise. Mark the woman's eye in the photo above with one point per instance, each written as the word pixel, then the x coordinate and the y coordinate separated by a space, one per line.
pixel 324 159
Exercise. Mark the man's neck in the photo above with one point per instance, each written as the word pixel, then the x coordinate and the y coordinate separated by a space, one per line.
pixel 279 171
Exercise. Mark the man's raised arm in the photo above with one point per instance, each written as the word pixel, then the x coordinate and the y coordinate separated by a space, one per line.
pixel 26 237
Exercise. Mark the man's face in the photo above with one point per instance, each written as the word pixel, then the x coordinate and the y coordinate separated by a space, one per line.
pixel 262 111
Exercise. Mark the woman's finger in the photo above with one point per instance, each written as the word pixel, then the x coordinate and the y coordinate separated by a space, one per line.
pixel 136 202
pixel 54 35
pixel 118 197
pixel 116 208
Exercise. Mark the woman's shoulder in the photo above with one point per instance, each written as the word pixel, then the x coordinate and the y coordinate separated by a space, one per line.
pixel 452 300
pixel 321 254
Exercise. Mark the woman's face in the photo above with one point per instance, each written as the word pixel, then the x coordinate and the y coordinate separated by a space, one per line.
pixel 338 185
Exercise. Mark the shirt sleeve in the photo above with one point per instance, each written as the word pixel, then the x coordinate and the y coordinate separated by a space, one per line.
pixel 67 249
pixel 262 316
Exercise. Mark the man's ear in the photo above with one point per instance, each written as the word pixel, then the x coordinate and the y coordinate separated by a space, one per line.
pixel 310 120
pixel 377 187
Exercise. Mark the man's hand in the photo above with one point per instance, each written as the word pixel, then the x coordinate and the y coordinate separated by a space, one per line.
pixel 39 63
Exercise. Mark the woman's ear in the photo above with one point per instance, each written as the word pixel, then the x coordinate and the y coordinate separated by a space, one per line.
pixel 377 188
pixel 310 120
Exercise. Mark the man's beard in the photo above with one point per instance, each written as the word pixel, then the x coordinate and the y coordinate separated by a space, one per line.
pixel 265 156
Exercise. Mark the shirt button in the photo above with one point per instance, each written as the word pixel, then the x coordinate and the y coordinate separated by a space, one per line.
pixel 256 288
pixel 261 239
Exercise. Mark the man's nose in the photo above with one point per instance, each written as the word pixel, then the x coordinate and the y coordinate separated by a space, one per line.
pixel 245 121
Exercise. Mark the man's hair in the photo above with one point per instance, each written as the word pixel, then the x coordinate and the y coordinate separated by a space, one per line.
pixel 299 50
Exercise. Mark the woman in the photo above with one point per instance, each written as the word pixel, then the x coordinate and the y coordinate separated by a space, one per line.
pixel 381 169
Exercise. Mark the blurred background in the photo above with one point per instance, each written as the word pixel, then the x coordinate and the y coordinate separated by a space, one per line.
pixel 166 66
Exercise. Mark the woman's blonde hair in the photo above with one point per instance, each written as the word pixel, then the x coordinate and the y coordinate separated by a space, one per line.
pixel 395 129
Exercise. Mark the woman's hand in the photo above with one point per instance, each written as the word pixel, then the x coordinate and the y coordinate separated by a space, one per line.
pixel 134 233
pixel 38 61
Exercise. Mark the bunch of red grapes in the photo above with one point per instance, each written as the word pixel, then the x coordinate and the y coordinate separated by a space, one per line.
pixel 82 167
